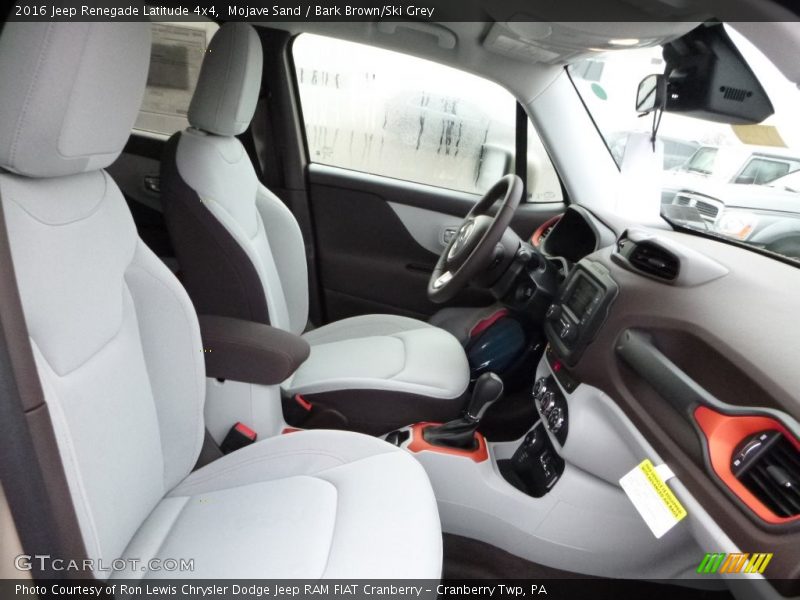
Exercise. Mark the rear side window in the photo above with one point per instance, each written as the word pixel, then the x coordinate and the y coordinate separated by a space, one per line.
pixel 394 115
pixel 175 60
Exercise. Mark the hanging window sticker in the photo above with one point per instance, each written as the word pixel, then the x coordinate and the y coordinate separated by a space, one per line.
pixel 175 61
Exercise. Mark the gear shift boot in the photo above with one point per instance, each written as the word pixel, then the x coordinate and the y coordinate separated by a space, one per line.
pixel 454 434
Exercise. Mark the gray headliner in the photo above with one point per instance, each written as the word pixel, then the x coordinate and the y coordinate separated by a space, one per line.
pixel 527 79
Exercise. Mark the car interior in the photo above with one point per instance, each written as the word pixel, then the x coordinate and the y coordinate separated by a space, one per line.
pixel 375 300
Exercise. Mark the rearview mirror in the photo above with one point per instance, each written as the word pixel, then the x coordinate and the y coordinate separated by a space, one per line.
pixel 709 79
pixel 652 94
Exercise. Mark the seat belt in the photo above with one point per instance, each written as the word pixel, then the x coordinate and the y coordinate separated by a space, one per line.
pixel 248 139
pixel 30 467
pixel 259 143
pixel 263 137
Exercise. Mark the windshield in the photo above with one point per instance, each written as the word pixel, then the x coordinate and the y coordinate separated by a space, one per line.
pixel 736 181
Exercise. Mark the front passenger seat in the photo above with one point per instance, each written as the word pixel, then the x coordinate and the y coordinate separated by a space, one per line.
pixel 117 350
pixel 242 255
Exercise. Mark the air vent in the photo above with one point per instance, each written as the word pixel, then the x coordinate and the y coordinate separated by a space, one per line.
pixel 768 465
pixel 654 260
pixel 663 259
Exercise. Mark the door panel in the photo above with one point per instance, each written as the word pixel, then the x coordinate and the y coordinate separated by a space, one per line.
pixel 376 247
pixel 430 229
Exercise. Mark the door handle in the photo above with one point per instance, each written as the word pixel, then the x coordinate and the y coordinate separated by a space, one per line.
pixel 447 235
pixel 419 268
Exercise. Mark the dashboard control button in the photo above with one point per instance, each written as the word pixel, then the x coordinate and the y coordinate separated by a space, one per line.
pixel 568 331
pixel 554 312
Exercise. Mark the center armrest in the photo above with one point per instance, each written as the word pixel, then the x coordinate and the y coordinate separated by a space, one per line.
pixel 248 351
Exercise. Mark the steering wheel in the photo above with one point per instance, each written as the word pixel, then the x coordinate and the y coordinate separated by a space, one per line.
pixel 471 248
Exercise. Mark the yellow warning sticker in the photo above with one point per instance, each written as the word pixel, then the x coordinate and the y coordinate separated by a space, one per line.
pixel 646 487
pixel 662 489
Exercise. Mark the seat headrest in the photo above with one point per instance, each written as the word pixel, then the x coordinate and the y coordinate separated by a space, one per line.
pixel 230 79
pixel 70 94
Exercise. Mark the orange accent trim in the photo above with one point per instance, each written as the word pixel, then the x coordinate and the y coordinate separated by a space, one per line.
pixel 487 322
pixel 536 238
pixel 723 433
pixel 290 430
pixel 418 444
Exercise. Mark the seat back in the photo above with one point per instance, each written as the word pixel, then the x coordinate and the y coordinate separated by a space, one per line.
pixel 240 249
pixel 114 336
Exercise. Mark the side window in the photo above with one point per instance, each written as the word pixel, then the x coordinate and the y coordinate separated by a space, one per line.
pixel 394 115
pixel 543 182
pixel 175 60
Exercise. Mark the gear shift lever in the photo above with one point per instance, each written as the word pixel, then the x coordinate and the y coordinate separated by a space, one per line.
pixel 460 433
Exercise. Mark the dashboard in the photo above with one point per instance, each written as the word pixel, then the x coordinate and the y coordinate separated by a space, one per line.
pixel 695 341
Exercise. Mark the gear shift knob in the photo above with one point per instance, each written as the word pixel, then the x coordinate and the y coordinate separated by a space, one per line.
pixel 488 389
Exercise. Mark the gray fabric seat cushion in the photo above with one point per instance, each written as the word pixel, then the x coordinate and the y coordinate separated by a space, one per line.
pixel 382 352
pixel 313 504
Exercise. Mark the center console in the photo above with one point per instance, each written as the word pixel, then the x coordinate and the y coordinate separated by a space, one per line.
pixel 551 495
pixel 572 321
pixel 536 465
pixel 579 310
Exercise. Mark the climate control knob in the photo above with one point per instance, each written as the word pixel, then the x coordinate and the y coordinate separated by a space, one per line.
pixel 547 403
pixel 555 420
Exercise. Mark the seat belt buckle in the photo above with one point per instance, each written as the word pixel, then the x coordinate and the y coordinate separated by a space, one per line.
pixel 303 403
pixel 238 437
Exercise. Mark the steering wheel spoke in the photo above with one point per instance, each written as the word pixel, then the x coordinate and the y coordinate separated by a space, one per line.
pixel 443 279
pixel 473 244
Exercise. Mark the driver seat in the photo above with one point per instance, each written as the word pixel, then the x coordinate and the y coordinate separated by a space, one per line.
pixel 242 255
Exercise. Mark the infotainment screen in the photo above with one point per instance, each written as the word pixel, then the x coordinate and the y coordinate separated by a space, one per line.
pixel 581 296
